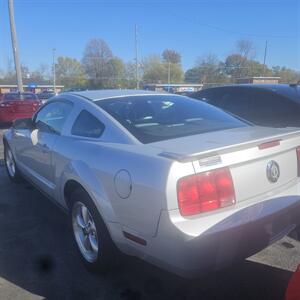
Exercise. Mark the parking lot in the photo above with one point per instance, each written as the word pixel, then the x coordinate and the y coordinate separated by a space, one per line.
pixel 38 261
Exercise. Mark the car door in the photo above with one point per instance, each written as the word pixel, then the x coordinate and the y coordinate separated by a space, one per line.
pixel 35 150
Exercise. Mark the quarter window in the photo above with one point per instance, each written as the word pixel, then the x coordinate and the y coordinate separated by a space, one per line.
pixel 52 117
pixel 87 125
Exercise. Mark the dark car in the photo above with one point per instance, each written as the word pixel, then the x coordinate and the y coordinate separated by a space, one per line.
pixel 265 105
pixel 18 105
pixel 45 95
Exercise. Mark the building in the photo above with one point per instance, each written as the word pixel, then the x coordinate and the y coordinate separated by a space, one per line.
pixel 174 88
pixel 258 80
pixel 34 88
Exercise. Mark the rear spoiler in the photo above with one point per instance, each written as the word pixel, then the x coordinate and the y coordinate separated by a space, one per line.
pixel 213 154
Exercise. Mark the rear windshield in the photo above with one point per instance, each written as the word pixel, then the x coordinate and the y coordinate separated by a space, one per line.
pixel 161 117
pixel 20 96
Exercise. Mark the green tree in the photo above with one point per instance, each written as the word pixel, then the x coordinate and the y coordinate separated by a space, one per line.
pixel 116 74
pixel 241 63
pixel 69 72
pixel 286 75
pixel 193 75
pixel 208 69
pixel 176 73
pixel 153 69
pixel 157 71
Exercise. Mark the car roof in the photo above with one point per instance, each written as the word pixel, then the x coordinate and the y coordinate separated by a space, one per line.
pixel 17 93
pixel 97 95
pixel 290 91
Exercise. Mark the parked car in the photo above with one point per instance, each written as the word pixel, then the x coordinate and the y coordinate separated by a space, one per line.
pixel 172 180
pixel 45 95
pixel 18 105
pixel 265 105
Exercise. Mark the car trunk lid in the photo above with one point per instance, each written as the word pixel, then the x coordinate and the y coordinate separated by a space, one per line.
pixel 22 106
pixel 261 160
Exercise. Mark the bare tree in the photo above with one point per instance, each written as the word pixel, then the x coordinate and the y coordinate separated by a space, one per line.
pixel 246 49
pixel 95 61
pixel 171 56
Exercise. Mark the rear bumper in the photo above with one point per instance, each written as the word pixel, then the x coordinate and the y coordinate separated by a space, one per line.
pixel 236 237
pixel 10 117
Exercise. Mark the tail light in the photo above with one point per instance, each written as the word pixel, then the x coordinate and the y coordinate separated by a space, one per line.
pixel 298 159
pixel 269 144
pixel 205 192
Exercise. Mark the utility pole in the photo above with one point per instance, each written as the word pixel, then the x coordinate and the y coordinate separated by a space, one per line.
pixel 136 59
pixel 265 57
pixel 53 68
pixel 15 45
pixel 169 75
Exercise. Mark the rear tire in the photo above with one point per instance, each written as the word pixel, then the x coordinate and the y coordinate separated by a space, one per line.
pixel 10 165
pixel 91 237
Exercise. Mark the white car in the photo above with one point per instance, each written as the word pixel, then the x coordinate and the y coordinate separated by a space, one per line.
pixel 174 181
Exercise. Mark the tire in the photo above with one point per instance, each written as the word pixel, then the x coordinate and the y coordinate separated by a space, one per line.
pixel 10 165
pixel 90 235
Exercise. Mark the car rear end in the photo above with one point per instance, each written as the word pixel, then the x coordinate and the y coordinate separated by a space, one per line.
pixel 18 105
pixel 227 203
pixel 231 190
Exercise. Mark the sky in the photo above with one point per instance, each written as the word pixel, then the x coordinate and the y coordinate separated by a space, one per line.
pixel 193 28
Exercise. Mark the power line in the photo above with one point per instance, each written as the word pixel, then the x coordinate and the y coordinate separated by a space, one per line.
pixel 230 30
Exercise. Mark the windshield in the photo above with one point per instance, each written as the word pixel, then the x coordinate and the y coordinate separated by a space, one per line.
pixel 20 96
pixel 160 117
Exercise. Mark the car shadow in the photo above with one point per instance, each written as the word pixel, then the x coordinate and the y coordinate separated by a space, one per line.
pixel 37 257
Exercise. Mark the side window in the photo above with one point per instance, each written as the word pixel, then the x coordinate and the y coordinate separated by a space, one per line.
pixel 52 117
pixel 273 110
pixel 236 102
pixel 87 125
pixel 212 96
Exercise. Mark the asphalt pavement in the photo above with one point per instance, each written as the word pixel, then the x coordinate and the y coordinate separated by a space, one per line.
pixel 38 261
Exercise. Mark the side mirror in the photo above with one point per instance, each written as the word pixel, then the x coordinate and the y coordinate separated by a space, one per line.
pixel 23 124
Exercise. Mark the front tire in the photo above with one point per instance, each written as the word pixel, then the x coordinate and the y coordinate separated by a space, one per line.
pixel 90 234
pixel 10 165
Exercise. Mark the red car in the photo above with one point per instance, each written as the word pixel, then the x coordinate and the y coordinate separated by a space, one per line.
pixel 18 105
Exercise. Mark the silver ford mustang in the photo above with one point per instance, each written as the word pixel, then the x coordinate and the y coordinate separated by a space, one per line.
pixel 174 181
